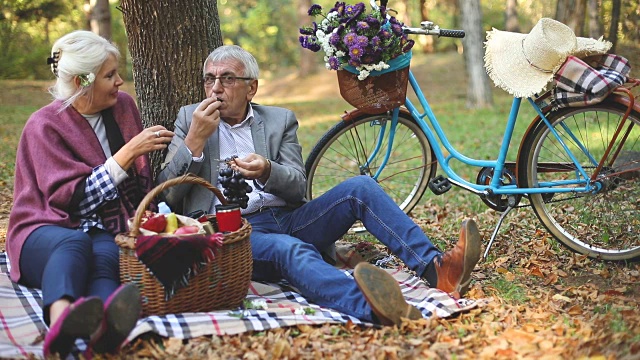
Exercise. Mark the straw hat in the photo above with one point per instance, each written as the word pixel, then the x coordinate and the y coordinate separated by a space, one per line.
pixel 523 64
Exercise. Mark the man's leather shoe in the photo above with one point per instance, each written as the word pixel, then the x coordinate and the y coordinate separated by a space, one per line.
pixel 383 294
pixel 455 266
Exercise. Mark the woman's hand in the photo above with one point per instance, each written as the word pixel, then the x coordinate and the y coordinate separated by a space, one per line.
pixel 148 140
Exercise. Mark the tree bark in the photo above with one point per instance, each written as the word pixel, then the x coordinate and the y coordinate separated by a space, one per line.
pixel 595 24
pixel 308 59
pixel 572 13
pixel 101 19
pixel 511 22
pixel 425 41
pixel 478 88
pixel 168 42
pixel 615 20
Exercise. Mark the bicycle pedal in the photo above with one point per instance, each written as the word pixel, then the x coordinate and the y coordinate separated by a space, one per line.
pixel 439 185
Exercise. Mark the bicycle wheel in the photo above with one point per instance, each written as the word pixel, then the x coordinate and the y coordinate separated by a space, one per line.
pixel 605 223
pixel 343 152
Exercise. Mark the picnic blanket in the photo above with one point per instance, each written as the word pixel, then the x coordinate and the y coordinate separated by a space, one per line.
pixel 22 328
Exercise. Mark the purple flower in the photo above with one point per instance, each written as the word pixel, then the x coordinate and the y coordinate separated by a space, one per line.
pixel 350 39
pixel 372 22
pixel 362 25
pixel 334 63
pixel 356 51
pixel 334 39
pixel 375 41
pixel 338 8
pixel 314 10
pixel 308 42
pixel 397 29
pixel 408 46
pixel 309 30
pixel 362 40
pixel 354 62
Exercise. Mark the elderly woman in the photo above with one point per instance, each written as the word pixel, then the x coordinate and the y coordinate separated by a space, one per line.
pixel 82 168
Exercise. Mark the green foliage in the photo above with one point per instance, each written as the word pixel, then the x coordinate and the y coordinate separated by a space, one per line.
pixel 263 27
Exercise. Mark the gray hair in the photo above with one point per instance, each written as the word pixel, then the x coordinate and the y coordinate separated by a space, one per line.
pixel 234 52
pixel 80 52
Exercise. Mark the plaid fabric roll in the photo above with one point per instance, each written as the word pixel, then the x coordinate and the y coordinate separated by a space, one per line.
pixel 175 260
pixel 589 81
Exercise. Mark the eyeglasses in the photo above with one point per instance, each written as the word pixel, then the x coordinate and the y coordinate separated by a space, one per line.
pixel 225 80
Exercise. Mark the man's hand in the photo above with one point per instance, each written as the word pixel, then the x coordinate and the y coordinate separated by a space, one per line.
pixel 253 166
pixel 204 122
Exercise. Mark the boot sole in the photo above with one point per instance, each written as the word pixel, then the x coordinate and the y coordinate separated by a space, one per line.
pixel 122 315
pixel 81 322
pixel 471 255
pixel 383 294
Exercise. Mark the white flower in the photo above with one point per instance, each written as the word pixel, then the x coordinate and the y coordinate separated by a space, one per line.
pixel 299 311
pixel 259 304
pixel 87 79
pixel 363 74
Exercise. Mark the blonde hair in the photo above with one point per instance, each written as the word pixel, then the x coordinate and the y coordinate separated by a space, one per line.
pixel 80 52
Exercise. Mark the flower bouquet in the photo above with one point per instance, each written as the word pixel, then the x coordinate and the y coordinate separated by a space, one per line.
pixel 369 50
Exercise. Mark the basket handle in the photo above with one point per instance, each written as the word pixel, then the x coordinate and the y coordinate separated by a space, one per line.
pixel 185 179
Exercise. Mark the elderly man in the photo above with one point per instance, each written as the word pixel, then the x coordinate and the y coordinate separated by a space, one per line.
pixel 289 234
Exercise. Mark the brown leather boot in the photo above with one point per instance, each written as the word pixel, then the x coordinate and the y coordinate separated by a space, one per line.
pixel 455 266
pixel 383 294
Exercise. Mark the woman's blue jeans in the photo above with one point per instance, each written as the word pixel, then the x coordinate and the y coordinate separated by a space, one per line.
pixel 287 243
pixel 68 263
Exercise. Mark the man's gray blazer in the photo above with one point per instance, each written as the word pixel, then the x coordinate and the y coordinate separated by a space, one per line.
pixel 274 137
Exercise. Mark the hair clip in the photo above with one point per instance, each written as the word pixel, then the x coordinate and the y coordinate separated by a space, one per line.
pixel 53 62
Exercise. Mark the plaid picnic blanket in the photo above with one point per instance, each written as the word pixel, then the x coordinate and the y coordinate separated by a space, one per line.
pixel 588 81
pixel 22 328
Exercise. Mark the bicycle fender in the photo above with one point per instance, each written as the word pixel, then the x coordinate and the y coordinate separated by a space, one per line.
pixel 356 113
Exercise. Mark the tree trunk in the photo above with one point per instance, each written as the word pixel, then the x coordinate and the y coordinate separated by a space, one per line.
pixel 572 13
pixel 511 22
pixel 308 62
pixel 478 87
pixel 425 41
pixel 595 24
pixel 615 20
pixel 101 18
pixel 169 42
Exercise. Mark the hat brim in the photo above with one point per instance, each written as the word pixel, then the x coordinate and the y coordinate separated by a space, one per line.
pixel 589 47
pixel 508 67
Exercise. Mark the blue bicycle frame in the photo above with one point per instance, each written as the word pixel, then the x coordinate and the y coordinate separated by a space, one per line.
pixel 495 187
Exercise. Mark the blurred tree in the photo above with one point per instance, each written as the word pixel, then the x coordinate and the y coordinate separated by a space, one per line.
pixel 595 25
pixel 615 20
pixel 572 13
pixel 511 22
pixel 425 41
pixel 478 87
pixel 169 42
pixel 99 17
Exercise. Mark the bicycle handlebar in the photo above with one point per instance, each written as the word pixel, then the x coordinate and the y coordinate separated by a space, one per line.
pixel 426 27
pixel 434 31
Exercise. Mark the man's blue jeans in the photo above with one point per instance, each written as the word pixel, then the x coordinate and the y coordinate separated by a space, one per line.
pixel 287 243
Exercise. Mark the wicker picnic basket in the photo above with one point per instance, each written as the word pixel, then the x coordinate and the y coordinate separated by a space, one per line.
pixel 381 91
pixel 222 284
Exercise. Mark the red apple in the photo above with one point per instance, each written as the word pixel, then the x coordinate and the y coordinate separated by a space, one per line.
pixel 185 230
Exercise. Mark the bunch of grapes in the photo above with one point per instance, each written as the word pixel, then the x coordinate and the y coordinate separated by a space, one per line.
pixel 235 186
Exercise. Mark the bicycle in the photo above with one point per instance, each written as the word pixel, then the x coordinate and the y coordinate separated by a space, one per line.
pixel 579 167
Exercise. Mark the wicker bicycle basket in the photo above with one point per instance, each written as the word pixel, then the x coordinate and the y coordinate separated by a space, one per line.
pixel 375 94
pixel 222 284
